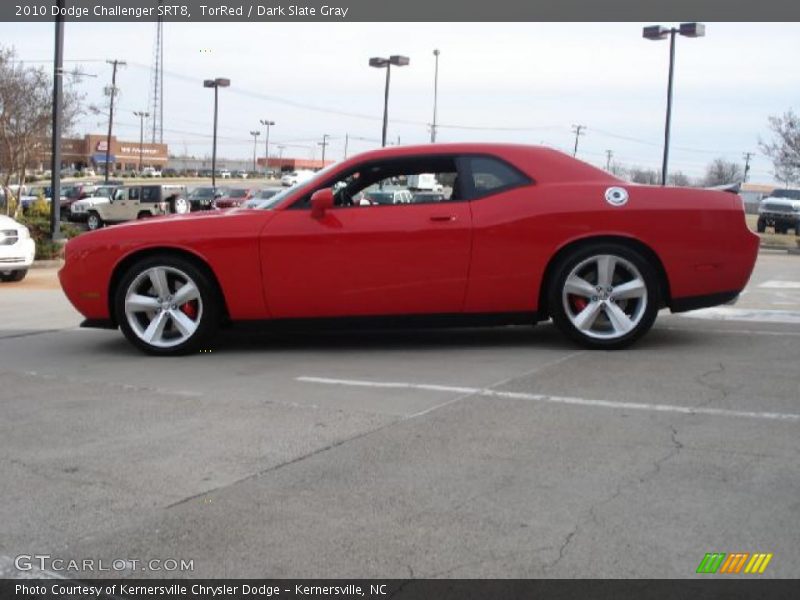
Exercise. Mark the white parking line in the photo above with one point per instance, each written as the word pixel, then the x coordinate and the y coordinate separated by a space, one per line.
pixel 777 284
pixel 471 391
pixel 727 313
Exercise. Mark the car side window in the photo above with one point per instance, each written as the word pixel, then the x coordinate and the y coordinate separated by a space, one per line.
pixel 150 194
pixel 133 193
pixel 490 175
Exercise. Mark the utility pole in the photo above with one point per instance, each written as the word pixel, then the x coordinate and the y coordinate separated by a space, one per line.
pixel 578 129
pixel 747 156
pixel 609 154
pixel 324 144
pixel 435 95
pixel 280 158
pixel 55 155
pixel 267 123
pixel 113 92
pixel 142 116
pixel 346 140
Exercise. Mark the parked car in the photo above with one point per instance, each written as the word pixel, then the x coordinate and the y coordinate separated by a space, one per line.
pixel 234 197
pixel 224 174
pixel 204 198
pixel 138 202
pixel 295 177
pixel 79 210
pixel 169 173
pixel 388 196
pixel 33 194
pixel 151 172
pixel 72 193
pixel 546 236
pixel 17 250
pixel 261 196
pixel 781 210
pixel 242 174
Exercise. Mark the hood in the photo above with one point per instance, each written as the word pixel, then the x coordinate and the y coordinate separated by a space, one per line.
pixel 8 223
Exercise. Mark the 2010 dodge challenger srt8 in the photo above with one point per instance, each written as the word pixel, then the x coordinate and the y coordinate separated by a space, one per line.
pixel 518 234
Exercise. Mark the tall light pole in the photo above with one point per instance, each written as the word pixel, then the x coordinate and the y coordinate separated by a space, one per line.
pixel 112 93
pixel 142 116
pixel 255 134
pixel 658 32
pixel 216 84
pixel 747 156
pixel 435 95
pixel 55 151
pixel 386 63
pixel 267 123
pixel 280 158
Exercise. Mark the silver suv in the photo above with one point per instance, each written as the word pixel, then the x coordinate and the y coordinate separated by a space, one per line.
pixel 781 210
pixel 138 202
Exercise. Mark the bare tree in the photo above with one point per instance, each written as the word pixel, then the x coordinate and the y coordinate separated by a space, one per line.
pixel 784 148
pixel 721 172
pixel 679 178
pixel 25 116
pixel 644 175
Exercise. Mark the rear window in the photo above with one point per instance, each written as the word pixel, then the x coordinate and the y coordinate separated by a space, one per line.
pixel 491 175
pixel 792 194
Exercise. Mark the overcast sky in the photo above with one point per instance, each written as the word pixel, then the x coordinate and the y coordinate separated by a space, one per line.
pixel 529 81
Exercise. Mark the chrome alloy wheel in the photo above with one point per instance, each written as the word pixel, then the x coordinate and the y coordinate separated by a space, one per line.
pixel 181 206
pixel 163 306
pixel 604 297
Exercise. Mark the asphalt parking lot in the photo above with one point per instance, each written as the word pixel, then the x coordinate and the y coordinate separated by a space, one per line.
pixel 465 453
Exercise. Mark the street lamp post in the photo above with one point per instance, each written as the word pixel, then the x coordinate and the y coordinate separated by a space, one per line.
pixel 324 144
pixel 658 32
pixel 142 116
pixel 380 63
pixel 216 84
pixel 267 123
pixel 435 95
pixel 255 135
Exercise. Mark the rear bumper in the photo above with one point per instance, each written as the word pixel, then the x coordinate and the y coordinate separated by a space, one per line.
pixel 694 302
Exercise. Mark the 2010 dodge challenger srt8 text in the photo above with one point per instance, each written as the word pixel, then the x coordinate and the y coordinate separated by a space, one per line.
pixel 514 234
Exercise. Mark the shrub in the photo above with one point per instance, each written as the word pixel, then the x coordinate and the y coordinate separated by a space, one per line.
pixel 39 226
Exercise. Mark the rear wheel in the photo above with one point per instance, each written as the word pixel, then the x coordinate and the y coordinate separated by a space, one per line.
pixel 761 226
pixel 166 305
pixel 93 221
pixel 780 229
pixel 17 275
pixel 179 205
pixel 604 296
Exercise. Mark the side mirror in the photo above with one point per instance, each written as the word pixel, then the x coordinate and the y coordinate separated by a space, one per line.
pixel 321 200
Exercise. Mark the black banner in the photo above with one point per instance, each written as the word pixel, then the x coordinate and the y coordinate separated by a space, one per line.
pixel 733 588
pixel 405 11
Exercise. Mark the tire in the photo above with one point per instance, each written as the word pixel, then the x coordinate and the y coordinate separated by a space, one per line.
pixel 179 206
pixel 797 229
pixel 169 327
pixel 761 226
pixel 780 229
pixel 17 275
pixel 599 319
pixel 93 221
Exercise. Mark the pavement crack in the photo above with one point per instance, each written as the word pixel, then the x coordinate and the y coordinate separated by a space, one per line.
pixel 714 387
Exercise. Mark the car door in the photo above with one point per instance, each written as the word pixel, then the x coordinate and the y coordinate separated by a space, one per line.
pixel 115 210
pixel 388 259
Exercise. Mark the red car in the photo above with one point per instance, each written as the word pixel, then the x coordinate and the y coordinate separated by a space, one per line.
pixel 234 198
pixel 523 234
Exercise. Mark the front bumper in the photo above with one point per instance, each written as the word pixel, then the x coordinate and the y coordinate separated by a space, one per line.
pixel 18 256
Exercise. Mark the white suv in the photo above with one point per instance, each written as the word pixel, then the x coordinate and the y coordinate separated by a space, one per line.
pixel 781 210
pixel 17 250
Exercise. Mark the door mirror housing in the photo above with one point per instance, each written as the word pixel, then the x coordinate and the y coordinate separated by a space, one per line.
pixel 321 200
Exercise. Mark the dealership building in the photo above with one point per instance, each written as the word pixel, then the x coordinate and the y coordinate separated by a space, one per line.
pixel 90 152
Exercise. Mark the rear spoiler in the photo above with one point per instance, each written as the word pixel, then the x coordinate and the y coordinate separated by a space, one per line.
pixel 733 188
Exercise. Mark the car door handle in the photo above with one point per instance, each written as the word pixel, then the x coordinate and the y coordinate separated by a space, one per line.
pixel 442 218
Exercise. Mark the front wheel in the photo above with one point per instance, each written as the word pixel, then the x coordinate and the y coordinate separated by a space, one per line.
pixel 180 206
pixel 93 221
pixel 604 296
pixel 166 305
pixel 761 226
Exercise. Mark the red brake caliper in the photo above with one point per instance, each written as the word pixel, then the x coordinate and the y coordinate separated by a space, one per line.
pixel 579 303
pixel 190 310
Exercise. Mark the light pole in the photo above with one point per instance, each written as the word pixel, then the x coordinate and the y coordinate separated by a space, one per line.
pixel 578 131
pixel 267 124
pixel 435 95
pixel 380 63
pixel 255 135
pixel 216 84
pixel 658 32
pixel 142 116
pixel 112 93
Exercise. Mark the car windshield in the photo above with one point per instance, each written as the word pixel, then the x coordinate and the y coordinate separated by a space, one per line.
pixel 381 197
pixel 792 194
pixel 265 194
pixel 237 194
pixel 206 192
pixel 71 192
pixel 103 191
